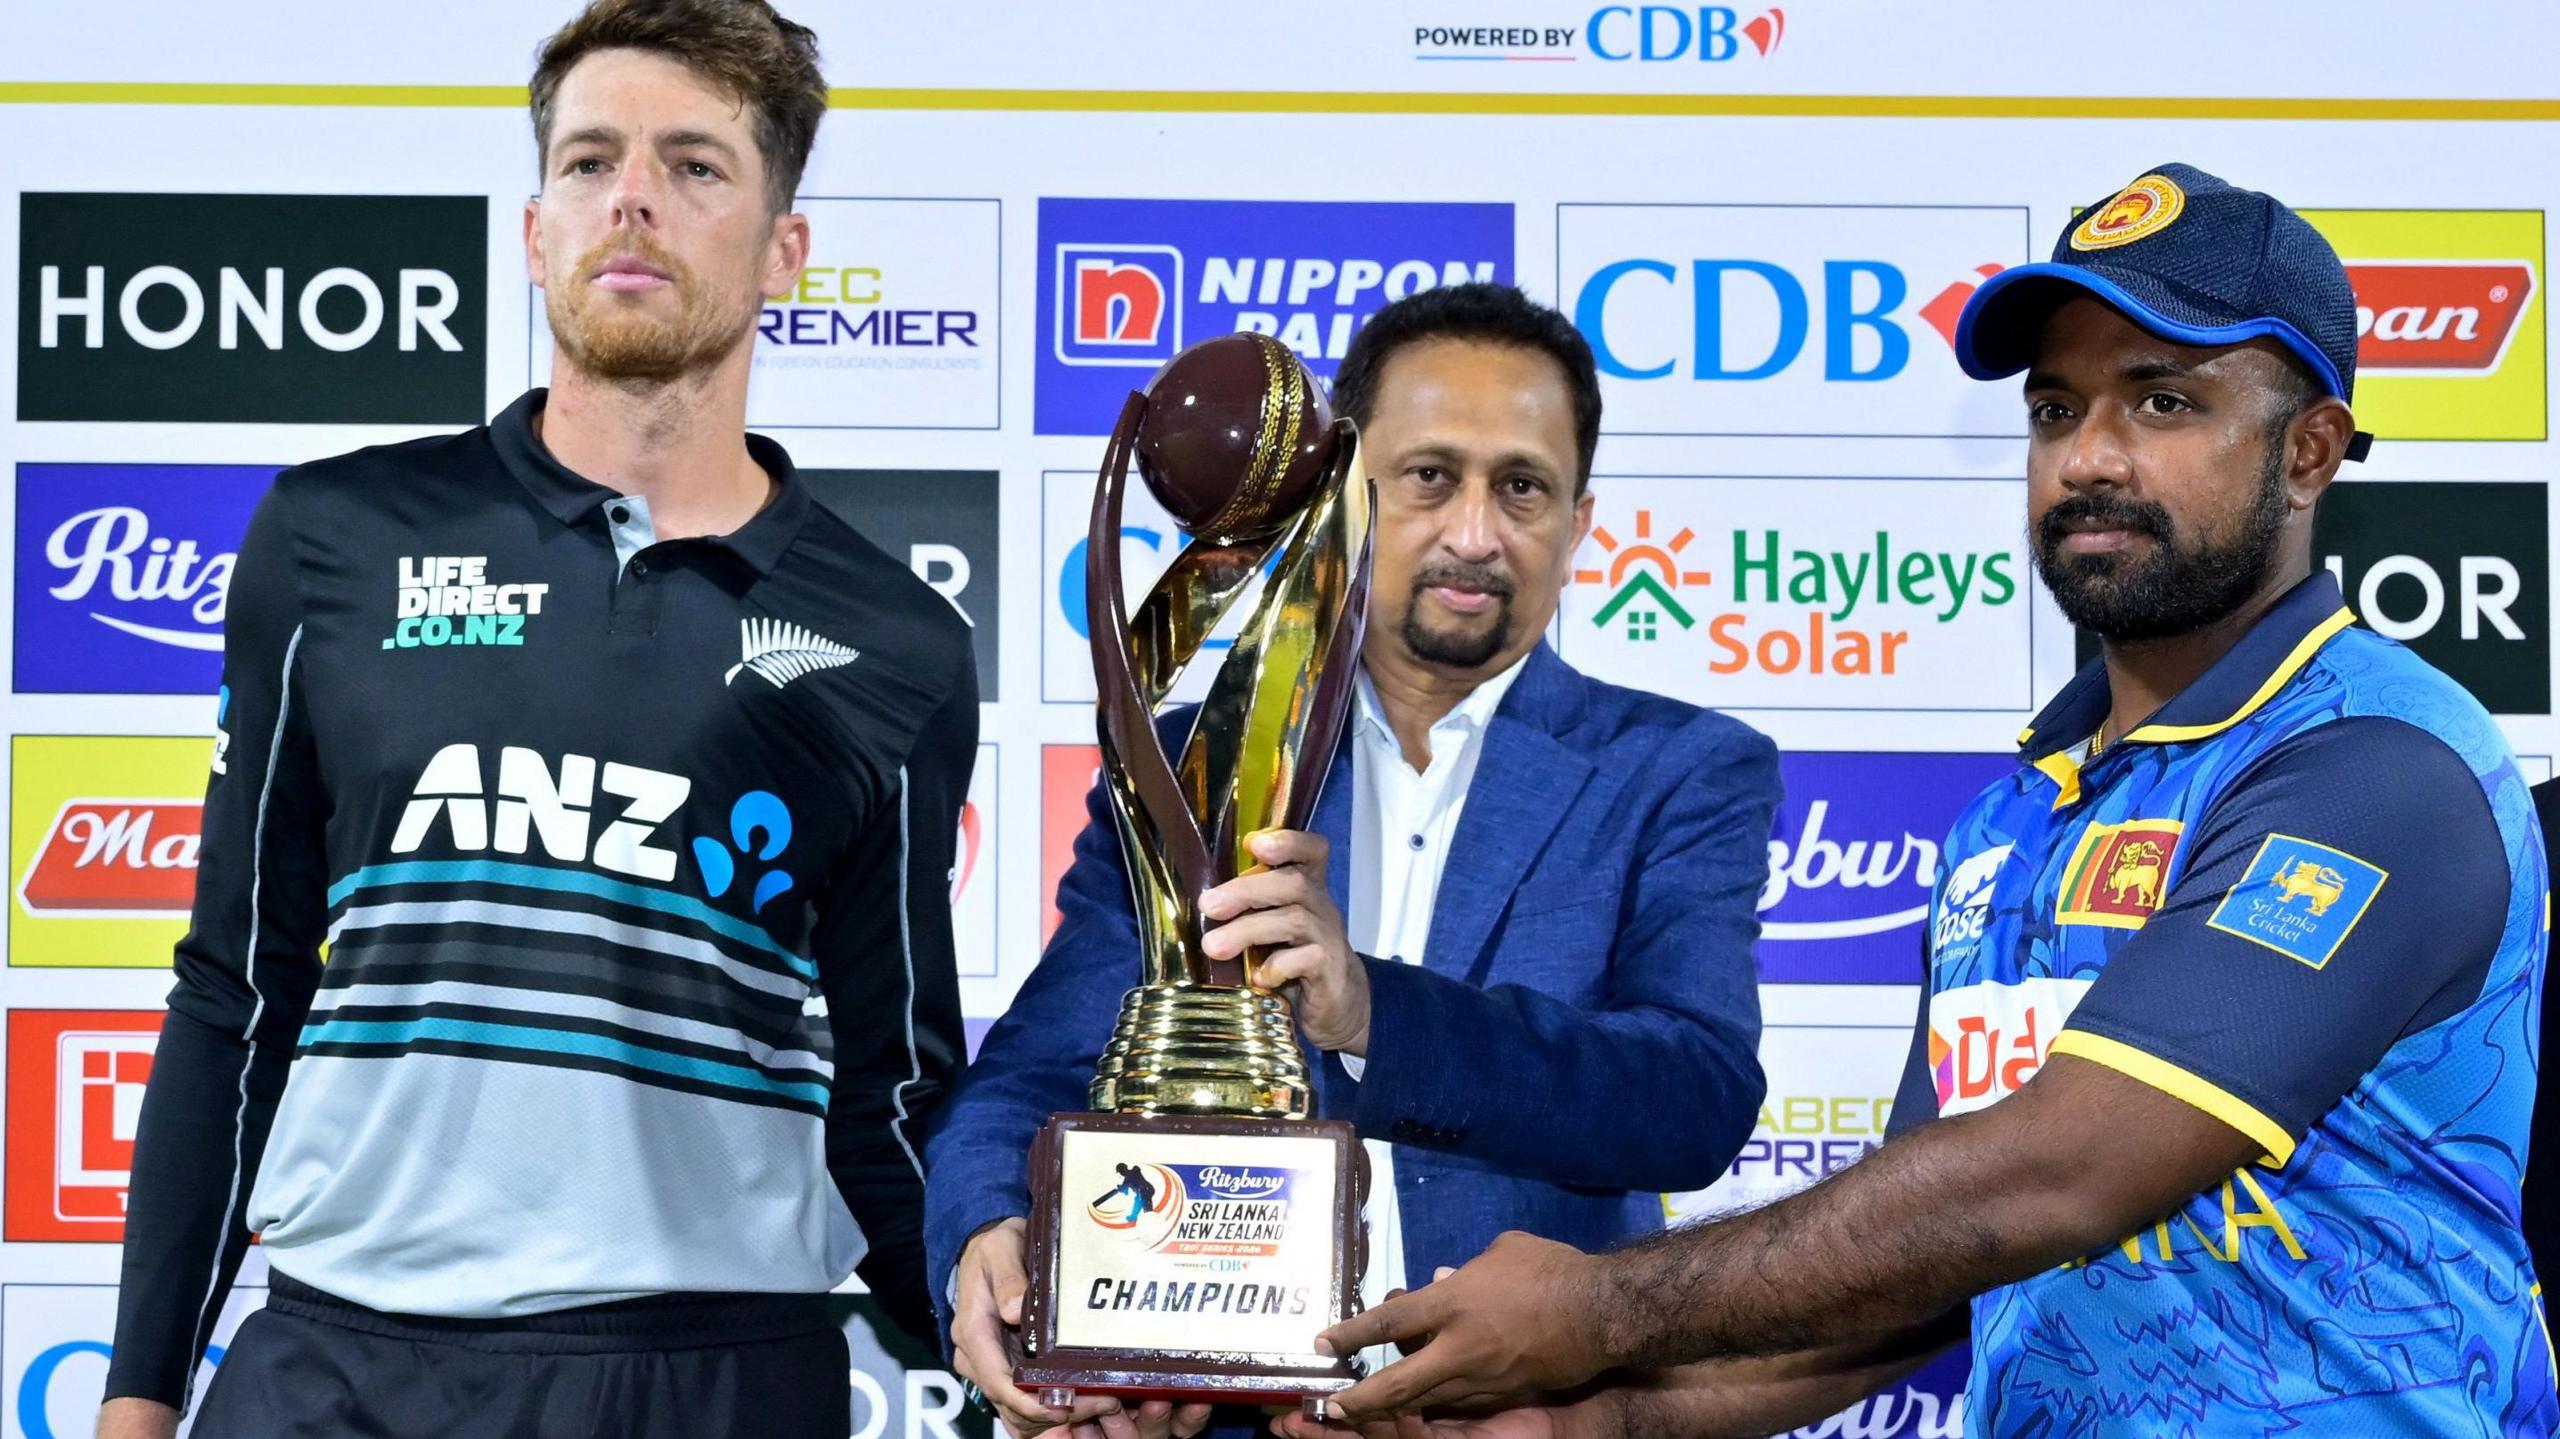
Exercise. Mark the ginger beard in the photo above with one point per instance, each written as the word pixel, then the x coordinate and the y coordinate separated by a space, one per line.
pixel 626 337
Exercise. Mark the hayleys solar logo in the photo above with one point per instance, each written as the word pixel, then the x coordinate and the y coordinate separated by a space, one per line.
pixel 1124 284
pixel 2449 318
pixel 1786 319
pixel 124 574
pixel 350 309
pixel 1853 858
pixel 1698 34
pixel 1888 599
pixel 104 835
pixel 75 1095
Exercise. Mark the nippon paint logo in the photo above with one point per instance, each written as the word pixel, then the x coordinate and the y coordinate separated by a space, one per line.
pixel 1126 284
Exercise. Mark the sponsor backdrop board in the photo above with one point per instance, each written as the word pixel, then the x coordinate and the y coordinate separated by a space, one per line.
pixel 1804 512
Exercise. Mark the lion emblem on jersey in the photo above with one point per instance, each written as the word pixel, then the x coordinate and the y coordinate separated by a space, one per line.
pixel 2308 879
pixel 2134 876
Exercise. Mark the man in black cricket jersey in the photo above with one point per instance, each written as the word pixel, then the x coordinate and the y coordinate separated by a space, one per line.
pixel 621 782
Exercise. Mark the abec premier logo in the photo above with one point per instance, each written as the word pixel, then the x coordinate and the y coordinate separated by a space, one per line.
pixel 1786 319
pixel 2449 321
pixel 75 1081
pixel 294 309
pixel 1831 1090
pixel 1853 859
pixel 124 574
pixel 1124 284
pixel 942 525
pixel 1698 34
pixel 104 835
pixel 55 1341
pixel 1899 594
pixel 895 324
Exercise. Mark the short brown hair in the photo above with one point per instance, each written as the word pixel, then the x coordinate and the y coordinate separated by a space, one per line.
pixel 742 46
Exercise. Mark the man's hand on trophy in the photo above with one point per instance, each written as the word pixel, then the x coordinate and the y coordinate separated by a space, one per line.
pixel 1526 1317
pixel 1283 908
pixel 986 1315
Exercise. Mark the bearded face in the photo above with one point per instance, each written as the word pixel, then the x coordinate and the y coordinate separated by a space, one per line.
pixel 662 323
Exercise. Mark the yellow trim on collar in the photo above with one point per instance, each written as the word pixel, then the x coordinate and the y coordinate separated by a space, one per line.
pixel 2064 771
pixel 2320 635
pixel 2169 1079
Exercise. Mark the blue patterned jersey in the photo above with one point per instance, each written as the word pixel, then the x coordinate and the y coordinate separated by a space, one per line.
pixel 2308 896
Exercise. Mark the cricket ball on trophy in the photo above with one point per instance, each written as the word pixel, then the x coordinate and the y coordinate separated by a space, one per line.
pixel 1235 436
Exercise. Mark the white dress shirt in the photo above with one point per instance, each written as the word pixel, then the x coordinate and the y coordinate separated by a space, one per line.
pixel 1402 821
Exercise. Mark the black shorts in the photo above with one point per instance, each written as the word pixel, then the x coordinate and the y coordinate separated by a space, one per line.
pixel 313 1366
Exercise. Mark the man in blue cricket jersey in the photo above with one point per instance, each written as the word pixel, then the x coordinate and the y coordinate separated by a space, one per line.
pixel 2217 1112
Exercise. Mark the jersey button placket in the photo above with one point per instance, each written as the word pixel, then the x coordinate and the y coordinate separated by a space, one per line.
pixel 636 597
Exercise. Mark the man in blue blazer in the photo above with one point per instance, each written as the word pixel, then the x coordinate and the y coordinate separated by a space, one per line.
pixel 1527 978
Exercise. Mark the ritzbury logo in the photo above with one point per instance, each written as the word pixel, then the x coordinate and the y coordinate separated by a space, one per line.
pixel 1198 1209
pixel 1786 319
pixel 1887 600
pixel 124 574
pixel 2449 321
pixel 294 309
pixel 1699 34
pixel 1124 284
pixel 1853 859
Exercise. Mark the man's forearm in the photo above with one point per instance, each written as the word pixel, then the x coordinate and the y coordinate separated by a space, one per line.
pixel 1746 1398
pixel 1907 1234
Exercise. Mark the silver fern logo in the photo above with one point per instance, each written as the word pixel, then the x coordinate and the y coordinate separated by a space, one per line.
pixel 782 652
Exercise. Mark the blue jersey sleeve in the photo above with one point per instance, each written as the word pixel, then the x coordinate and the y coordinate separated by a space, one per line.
pixel 2350 888
pixel 1915 1100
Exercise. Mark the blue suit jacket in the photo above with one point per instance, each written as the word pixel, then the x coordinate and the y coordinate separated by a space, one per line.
pixel 1581 1035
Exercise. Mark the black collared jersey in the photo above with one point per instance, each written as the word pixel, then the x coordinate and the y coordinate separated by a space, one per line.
pixel 629 861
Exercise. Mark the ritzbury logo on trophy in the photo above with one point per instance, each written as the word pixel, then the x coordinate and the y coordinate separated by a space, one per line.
pixel 1191 1237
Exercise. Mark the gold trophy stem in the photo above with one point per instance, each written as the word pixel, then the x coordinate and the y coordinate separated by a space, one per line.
pixel 1203 1049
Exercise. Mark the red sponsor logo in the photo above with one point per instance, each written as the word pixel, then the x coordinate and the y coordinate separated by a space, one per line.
pixel 1766 30
pixel 75 1096
pixel 972 835
pixel 1947 307
pixel 1067 773
pixel 2437 316
pixel 116 859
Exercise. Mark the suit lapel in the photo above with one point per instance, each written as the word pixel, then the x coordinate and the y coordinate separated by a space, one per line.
pixel 1524 782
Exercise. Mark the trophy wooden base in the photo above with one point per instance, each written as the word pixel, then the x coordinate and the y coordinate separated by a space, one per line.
pixel 1204 1274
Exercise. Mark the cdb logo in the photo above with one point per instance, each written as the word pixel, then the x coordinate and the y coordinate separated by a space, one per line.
pixel 1858 298
pixel 1118 304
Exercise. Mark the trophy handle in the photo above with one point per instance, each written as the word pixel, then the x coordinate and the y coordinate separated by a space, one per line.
pixel 1147 799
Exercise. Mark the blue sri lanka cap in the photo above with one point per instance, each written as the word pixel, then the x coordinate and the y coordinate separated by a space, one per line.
pixel 2191 258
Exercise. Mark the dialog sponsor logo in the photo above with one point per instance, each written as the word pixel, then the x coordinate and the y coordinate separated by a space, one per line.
pixel 104 836
pixel 942 524
pixel 1853 859
pixel 75 1097
pixel 2451 340
pixel 1750 594
pixel 233 309
pixel 1125 284
pixel 124 575
pixel 1786 319
pixel 1987 1040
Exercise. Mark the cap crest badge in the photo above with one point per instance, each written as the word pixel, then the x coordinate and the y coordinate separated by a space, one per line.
pixel 2145 207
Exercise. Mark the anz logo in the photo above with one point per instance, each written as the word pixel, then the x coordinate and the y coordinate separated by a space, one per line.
pixel 534 804
pixel 591 812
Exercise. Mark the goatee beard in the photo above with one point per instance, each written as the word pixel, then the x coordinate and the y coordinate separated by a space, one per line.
pixel 596 335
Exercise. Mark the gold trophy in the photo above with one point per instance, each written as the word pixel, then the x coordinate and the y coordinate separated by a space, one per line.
pixel 1192 1236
